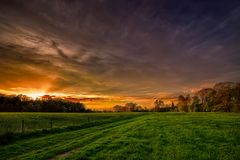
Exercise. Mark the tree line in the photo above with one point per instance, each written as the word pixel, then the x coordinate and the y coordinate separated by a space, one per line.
pixel 21 103
pixel 129 107
pixel 223 97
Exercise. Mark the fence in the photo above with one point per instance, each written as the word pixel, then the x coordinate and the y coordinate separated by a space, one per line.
pixel 29 122
pixel 29 125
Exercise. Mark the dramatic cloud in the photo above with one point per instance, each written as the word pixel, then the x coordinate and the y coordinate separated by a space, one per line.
pixel 141 49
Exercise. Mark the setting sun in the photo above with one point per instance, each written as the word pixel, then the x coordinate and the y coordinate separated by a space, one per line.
pixel 35 95
pixel 104 79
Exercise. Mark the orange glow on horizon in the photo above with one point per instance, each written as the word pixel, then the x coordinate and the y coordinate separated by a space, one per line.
pixel 99 102
pixel 35 95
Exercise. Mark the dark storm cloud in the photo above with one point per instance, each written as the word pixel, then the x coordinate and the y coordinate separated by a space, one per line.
pixel 135 48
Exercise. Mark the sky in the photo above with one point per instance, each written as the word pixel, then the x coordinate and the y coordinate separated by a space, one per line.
pixel 116 51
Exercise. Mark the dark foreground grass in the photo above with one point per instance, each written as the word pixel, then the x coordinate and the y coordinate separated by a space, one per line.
pixel 150 136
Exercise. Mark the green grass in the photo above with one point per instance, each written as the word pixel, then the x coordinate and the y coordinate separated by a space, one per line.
pixel 150 136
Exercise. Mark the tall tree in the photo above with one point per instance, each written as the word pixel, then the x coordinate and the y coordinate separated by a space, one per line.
pixel 184 103
pixel 195 105
pixel 158 104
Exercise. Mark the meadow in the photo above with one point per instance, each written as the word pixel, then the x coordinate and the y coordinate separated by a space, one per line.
pixel 129 136
pixel 17 122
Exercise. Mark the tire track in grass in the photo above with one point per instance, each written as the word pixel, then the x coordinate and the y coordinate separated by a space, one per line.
pixel 73 142
pixel 131 145
pixel 27 145
pixel 63 147
pixel 107 132
pixel 24 146
pixel 100 143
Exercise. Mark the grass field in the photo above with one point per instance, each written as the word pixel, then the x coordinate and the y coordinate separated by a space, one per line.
pixel 149 136
pixel 12 122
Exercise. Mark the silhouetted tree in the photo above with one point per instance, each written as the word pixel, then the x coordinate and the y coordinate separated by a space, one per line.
pixel 22 103
pixel 184 103
pixel 128 107
pixel 195 106
pixel 207 96
pixel 227 97
pixel 158 104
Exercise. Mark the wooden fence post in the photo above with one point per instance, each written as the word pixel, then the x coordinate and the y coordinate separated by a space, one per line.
pixel 22 126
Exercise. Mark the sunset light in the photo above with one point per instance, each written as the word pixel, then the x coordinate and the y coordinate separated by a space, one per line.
pixel 139 54
pixel 90 79
pixel 35 95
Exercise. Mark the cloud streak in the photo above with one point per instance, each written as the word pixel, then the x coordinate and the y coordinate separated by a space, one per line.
pixel 125 48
